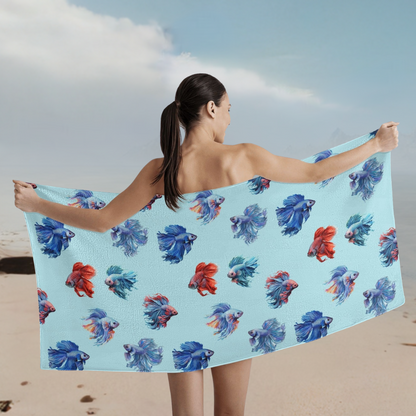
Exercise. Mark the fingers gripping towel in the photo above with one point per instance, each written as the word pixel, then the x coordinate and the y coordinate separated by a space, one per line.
pixel 236 272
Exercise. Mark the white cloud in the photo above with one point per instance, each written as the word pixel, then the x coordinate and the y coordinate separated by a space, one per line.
pixel 73 44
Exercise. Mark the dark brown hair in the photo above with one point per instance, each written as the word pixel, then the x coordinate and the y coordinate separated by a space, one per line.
pixel 193 92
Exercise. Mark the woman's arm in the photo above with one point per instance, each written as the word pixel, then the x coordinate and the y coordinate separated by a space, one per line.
pixel 286 169
pixel 122 207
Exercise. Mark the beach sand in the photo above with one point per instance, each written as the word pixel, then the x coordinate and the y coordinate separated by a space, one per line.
pixel 368 369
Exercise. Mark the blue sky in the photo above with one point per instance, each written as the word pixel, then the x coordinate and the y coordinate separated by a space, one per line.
pixel 83 80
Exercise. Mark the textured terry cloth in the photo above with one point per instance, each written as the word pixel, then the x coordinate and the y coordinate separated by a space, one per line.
pixel 237 272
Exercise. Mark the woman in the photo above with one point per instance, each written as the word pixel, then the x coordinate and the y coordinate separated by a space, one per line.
pixel 202 162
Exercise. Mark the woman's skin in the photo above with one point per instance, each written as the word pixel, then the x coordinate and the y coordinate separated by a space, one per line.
pixel 207 163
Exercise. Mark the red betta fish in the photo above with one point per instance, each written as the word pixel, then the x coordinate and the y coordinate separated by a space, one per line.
pixel 202 279
pixel 321 245
pixel 79 279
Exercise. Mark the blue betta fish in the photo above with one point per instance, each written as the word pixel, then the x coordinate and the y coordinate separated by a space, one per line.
pixel 101 326
pixel 86 199
pixel 376 300
pixel 226 319
pixel 176 242
pixel 242 271
pixel 258 185
pixel 67 356
pixel 119 282
pixel 366 179
pixel 271 333
pixel 343 282
pixel 321 156
pixel 279 287
pixel 208 206
pixel 389 251
pixel 296 210
pixel 253 219
pixel 314 326
pixel 358 228
pixel 144 355
pixel 131 235
pixel 54 236
pixel 158 311
pixel 192 357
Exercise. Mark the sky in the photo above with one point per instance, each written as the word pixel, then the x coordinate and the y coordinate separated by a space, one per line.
pixel 83 83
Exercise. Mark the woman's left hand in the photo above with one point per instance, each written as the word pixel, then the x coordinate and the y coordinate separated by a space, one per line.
pixel 25 197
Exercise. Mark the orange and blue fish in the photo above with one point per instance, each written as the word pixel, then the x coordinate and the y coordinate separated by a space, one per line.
pixel 377 299
pixel 130 236
pixel 389 250
pixel 279 288
pixel 242 271
pixel 192 357
pixel 86 199
pixel 208 206
pixel 67 356
pixel 175 242
pixel 80 279
pixel 101 326
pixel 54 236
pixel 366 179
pixel 203 279
pixel 144 355
pixel 295 212
pixel 342 283
pixel 358 228
pixel 247 225
pixel 268 336
pixel 314 326
pixel 148 206
pixel 322 244
pixel 158 311
pixel 226 319
pixel 119 281
pixel 258 185
pixel 45 306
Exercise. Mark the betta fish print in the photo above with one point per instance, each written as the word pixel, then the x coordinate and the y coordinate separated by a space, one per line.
pixel 389 250
pixel 144 355
pixel 296 210
pixel 342 283
pixel 321 245
pixel 321 156
pixel 54 237
pixel 168 287
pixel 314 326
pixel 80 279
pixel 192 357
pixel 148 206
pixel 86 199
pixel 67 356
pixel 158 311
pixel 226 319
pixel 254 219
pixel 377 300
pixel 45 306
pixel 268 336
pixel 119 281
pixel 203 279
pixel 130 236
pixel 258 185
pixel 101 326
pixel 363 181
pixel 242 271
pixel 208 206
pixel 358 228
pixel 175 242
pixel 279 287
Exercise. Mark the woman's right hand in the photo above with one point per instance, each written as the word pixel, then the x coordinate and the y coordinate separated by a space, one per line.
pixel 387 137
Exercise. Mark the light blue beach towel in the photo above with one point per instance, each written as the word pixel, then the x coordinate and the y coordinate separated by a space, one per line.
pixel 237 272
